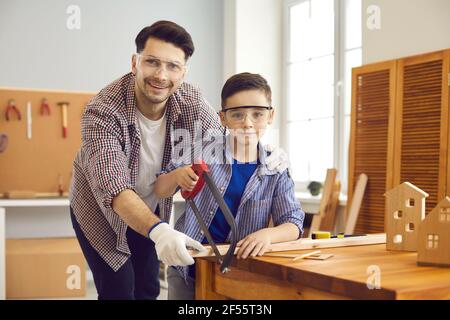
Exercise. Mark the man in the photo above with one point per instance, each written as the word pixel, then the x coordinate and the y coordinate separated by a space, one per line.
pixel 126 139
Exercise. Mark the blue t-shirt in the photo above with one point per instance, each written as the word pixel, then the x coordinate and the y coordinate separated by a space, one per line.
pixel 219 228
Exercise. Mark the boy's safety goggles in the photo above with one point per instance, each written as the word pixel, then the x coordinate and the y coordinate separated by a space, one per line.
pixel 255 113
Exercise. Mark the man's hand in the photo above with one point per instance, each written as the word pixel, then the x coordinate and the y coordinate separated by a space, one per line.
pixel 171 245
pixel 255 244
pixel 278 159
pixel 186 178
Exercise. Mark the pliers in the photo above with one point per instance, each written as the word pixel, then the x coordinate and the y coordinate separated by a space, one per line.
pixel 45 109
pixel 202 171
pixel 11 108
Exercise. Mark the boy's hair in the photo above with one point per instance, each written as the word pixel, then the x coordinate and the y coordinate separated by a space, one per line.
pixel 169 32
pixel 245 81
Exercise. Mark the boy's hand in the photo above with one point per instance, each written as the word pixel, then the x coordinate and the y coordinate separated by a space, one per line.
pixel 186 178
pixel 255 244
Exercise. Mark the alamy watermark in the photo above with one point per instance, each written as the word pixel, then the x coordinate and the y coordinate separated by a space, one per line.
pixel 374 279
pixel 373 21
pixel 73 21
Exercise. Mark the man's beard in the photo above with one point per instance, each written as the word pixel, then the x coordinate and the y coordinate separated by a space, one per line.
pixel 153 98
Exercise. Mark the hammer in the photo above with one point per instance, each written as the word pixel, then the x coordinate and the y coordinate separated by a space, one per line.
pixel 3 142
pixel 64 106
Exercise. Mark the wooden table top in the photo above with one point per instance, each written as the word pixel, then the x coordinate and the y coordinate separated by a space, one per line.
pixel 347 274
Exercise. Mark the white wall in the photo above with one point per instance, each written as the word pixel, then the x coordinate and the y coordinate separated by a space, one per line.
pixel 408 27
pixel 253 43
pixel 37 50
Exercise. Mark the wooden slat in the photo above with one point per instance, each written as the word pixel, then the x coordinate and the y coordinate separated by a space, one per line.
pixel 302 244
pixel 353 210
pixel 328 222
pixel 325 202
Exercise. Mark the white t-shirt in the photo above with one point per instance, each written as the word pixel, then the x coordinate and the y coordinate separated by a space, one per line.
pixel 153 136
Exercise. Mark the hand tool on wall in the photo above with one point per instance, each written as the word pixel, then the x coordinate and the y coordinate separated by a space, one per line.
pixel 3 142
pixel 202 171
pixel 60 185
pixel 64 106
pixel 29 121
pixel 12 109
pixel 45 108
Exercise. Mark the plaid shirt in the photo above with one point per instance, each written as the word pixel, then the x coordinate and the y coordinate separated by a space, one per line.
pixel 108 161
pixel 268 193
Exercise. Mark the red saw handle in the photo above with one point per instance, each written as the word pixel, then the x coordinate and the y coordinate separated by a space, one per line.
pixel 198 168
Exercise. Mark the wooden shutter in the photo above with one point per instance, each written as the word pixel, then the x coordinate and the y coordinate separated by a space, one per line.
pixel 373 98
pixel 421 124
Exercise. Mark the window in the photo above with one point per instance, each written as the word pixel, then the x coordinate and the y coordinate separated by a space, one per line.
pixel 323 45
pixel 409 227
pixel 410 203
pixel 433 241
pixel 398 214
pixel 398 239
pixel 444 215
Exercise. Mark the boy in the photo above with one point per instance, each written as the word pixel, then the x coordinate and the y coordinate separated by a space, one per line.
pixel 252 191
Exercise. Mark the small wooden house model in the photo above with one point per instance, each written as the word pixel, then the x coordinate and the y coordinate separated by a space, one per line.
pixel 405 210
pixel 434 236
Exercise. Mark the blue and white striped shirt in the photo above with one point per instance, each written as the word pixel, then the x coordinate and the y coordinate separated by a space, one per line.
pixel 268 193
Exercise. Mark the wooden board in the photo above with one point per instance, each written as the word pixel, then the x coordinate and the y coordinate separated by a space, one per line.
pixel 35 165
pixel 325 201
pixel 304 244
pixel 355 204
pixel 317 256
pixel 328 222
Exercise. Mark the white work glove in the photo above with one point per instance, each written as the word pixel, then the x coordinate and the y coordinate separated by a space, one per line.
pixel 171 245
pixel 277 160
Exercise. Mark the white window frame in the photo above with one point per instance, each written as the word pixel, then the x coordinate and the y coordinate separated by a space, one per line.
pixel 339 97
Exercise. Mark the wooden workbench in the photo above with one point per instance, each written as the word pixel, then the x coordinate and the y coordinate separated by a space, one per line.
pixel 344 276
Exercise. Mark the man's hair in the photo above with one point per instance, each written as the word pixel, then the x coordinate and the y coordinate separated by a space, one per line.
pixel 243 82
pixel 169 32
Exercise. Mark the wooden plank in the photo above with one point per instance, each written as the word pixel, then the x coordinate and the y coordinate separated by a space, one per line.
pixel 303 244
pixel 355 204
pixel 328 222
pixel 325 202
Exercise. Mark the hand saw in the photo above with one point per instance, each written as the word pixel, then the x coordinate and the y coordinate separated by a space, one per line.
pixel 202 171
